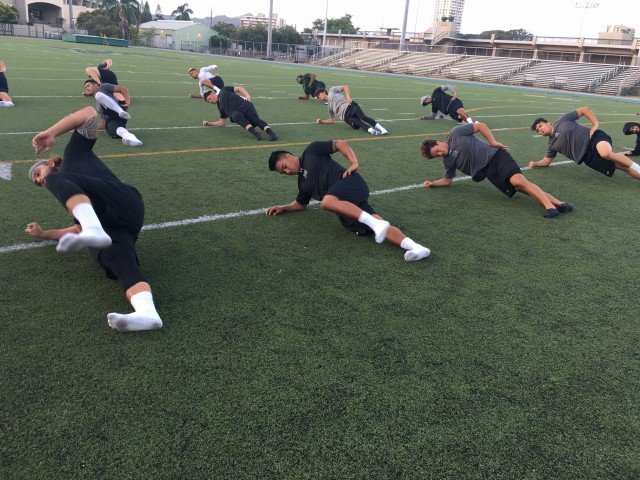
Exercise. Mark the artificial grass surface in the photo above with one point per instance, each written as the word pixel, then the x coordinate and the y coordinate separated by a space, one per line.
pixel 292 349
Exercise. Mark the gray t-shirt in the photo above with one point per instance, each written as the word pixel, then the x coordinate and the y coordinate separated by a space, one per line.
pixel 569 138
pixel 337 103
pixel 466 152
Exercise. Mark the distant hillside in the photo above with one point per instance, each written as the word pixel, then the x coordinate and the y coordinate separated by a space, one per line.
pixel 218 18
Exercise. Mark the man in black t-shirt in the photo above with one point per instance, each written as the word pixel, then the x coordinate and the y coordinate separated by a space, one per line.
pixel 441 101
pixel 102 73
pixel 114 114
pixel 238 109
pixel 339 190
pixel 632 128
pixel 108 214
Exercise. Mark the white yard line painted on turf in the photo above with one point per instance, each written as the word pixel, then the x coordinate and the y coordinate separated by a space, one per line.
pixel 5 171
pixel 225 216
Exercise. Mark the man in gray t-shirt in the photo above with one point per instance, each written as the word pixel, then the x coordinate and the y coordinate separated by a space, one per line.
pixel 582 144
pixel 463 151
pixel 346 109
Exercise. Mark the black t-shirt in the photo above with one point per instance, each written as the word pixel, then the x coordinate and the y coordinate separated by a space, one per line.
pixel 440 101
pixel 79 158
pixel 229 102
pixel 318 172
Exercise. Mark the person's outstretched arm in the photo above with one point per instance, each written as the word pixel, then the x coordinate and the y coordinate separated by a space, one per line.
pixel 294 206
pixel 43 141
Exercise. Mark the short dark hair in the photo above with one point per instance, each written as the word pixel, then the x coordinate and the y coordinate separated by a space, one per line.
pixel 191 70
pixel 206 95
pixel 299 76
pixel 319 91
pixel 426 146
pixel 91 81
pixel 274 157
pixel 536 122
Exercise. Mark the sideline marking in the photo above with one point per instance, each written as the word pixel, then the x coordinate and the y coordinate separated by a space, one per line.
pixel 225 216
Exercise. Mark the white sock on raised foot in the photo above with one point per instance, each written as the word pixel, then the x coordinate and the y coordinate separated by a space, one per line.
pixel 108 102
pixel 145 316
pixel 6 104
pixel 92 234
pixel 379 227
pixel 469 120
pixel 414 251
pixel 382 130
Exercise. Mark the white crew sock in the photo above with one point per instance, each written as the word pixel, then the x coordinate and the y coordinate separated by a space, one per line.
pixel 414 251
pixel 92 234
pixel 6 104
pixel 379 227
pixel 634 167
pixel 108 102
pixel 145 316
pixel 469 120
pixel 128 138
pixel 382 130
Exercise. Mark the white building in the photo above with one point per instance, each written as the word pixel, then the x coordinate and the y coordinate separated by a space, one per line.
pixel 262 19
pixel 448 11
pixel 48 12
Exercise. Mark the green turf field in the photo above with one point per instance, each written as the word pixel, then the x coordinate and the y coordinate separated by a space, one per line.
pixel 292 349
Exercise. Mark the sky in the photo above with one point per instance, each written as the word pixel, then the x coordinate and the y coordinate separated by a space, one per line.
pixel 555 18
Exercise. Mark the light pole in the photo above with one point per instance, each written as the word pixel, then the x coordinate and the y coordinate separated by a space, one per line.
pixel 324 34
pixel 270 30
pixel 404 26
pixel 584 6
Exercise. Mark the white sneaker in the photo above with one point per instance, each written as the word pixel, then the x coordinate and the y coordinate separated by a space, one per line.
pixel 381 129
pixel 131 141
pixel 124 114
pixel 72 242
pixel 6 104
pixel 133 322
pixel 374 132
pixel 417 253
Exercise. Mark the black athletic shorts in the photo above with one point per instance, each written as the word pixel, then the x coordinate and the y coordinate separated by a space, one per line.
pixel 592 158
pixel 4 85
pixel 107 76
pixel 499 171
pixel 353 189
pixel 454 106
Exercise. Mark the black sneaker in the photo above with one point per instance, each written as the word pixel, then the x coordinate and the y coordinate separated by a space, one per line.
pixel 253 132
pixel 551 213
pixel 564 208
pixel 272 135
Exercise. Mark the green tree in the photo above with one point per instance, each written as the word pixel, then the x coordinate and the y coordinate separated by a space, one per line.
pixel 517 34
pixel 227 30
pixel 342 24
pixel 8 14
pixel 145 16
pixel 159 15
pixel 182 12
pixel 287 34
pixel 252 34
pixel 98 22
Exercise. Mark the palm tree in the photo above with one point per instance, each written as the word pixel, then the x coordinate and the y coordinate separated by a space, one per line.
pixel 124 13
pixel 182 12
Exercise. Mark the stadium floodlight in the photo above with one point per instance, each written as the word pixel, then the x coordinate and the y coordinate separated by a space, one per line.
pixel 585 6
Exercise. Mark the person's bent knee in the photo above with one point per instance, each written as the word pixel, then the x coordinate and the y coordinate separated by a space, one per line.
pixel 328 202
pixel 518 180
